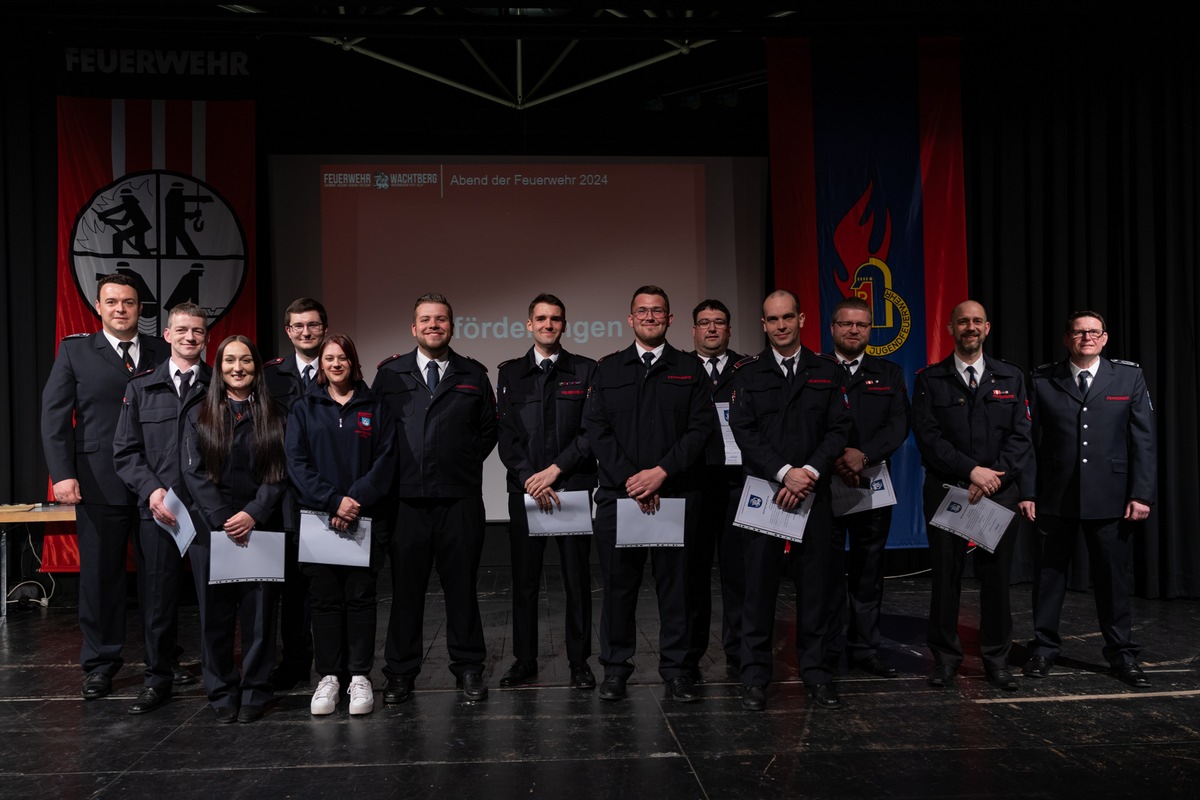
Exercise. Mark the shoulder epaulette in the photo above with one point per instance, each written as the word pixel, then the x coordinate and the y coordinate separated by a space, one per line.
pixel 76 336
pixel 505 363
pixel 140 374
pixel 746 360
pixel 927 366
pixel 1125 363
pixel 274 362
pixel 392 357
pixel 1046 367
pixel 826 356
pixel 610 355
pixel 479 364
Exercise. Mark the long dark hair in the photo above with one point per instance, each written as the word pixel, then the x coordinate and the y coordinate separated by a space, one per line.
pixel 214 428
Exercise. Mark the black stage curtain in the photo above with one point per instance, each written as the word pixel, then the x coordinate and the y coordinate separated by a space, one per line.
pixel 1082 164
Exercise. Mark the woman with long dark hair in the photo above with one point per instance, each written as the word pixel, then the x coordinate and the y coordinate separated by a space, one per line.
pixel 341 454
pixel 234 467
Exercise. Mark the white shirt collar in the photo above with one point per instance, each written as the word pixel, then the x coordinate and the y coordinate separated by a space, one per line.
pixel 961 367
pixel 1091 368
pixel 658 351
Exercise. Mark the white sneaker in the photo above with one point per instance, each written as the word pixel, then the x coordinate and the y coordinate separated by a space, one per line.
pixel 362 695
pixel 324 699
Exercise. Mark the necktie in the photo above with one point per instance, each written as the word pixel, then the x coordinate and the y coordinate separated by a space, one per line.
pixel 432 373
pixel 1084 375
pixel 308 375
pixel 648 359
pixel 789 373
pixel 185 382
pixel 125 354
pixel 971 382
pixel 713 372
pixel 849 366
pixel 549 414
pixel 546 366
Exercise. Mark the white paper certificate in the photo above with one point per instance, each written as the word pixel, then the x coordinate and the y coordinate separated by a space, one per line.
pixel 733 456
pixel 260 559
pixel 183 531
pixel 663 528
pixel 321 544
pixel 983 523
pixel 875 492
pixel 573 519
pixel 757 511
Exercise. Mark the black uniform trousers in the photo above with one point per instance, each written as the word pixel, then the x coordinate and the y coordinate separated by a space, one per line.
pixel 446 533
pixel 856 584
pixel 527 553
pixel 295 624
pixel 104 533
pixel 160 567
pixel 721 488
pixel 622 569
pixel 223 608
pixel 1110 556
pixel 807 564
pixel 948 555
pixel 342 602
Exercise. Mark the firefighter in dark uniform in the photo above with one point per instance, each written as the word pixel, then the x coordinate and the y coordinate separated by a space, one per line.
pixel 445 414
pixel 791 423
pixel 647 420
pixel 540 399
pixel 971 422
pixel 879 405
pixel 1093 433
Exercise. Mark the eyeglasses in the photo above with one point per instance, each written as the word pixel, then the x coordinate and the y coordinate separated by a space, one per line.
pixel 1087 334
pixel 643 313
pixel 712 323
pixel 862 326
pixel 299 327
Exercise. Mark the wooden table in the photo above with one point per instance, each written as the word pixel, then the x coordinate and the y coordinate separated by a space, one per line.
pixel 15 515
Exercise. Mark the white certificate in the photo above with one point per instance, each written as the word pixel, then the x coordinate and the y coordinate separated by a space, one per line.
pixel 259 559
pixel 183 531
pixel 757 511
pixel 875 491
pixel 321 544
pixel 574 518
pixel 733 456
pixel 663 528
pixel 983 523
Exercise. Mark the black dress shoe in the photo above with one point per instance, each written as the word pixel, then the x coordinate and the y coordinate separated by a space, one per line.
pixel 1133 675
pixel 520 673
pixel 180 676
pixel 754 698
pixel 1037 667
pixel 397 690
pixel 148 700
pixel 226 714
pixel 1002 679
pixel 824 695
pixel 943 676
pixel 612 688
pixel 250 713
pixel 876 666
pixel 582 677
pixel 472 685
pixel 96 685
pixel 683 689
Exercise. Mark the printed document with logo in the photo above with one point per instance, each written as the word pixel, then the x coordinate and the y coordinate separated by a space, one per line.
pixel 663 528
pixel 259 559
pixel 574 518
pixel 733 455
pixel 983 523
pixel 875 491
pixel 183 531
pixel 321 544
pixel 757 511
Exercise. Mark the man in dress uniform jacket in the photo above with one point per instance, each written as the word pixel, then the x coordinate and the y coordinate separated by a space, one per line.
pixel 879 405
pixel 790 420
pixel 445 414
pixel 971 422
pixel 540 399
pixel 1093 434
pixel 146 453
pixel 288 377
pixel 80 406
pixel 721 486
pixel 647 420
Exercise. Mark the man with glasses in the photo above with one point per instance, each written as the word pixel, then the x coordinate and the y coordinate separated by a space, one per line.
pixel 1094 437
pixel 647 420
pixel 878 400
pixel 721 485
pixel 288 378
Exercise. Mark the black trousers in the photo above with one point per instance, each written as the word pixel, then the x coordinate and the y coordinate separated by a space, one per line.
pixel 295 624
pixel 1110 557
pixel 527 553
pixel 856 584
pixel 160 567
pixel 104 533
pixel 446 533
pixel 715 535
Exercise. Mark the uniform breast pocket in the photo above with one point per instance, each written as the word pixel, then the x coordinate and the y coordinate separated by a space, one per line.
pixel 570 407
pixel 1000 411
pixel 619 398
pixel 528 413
